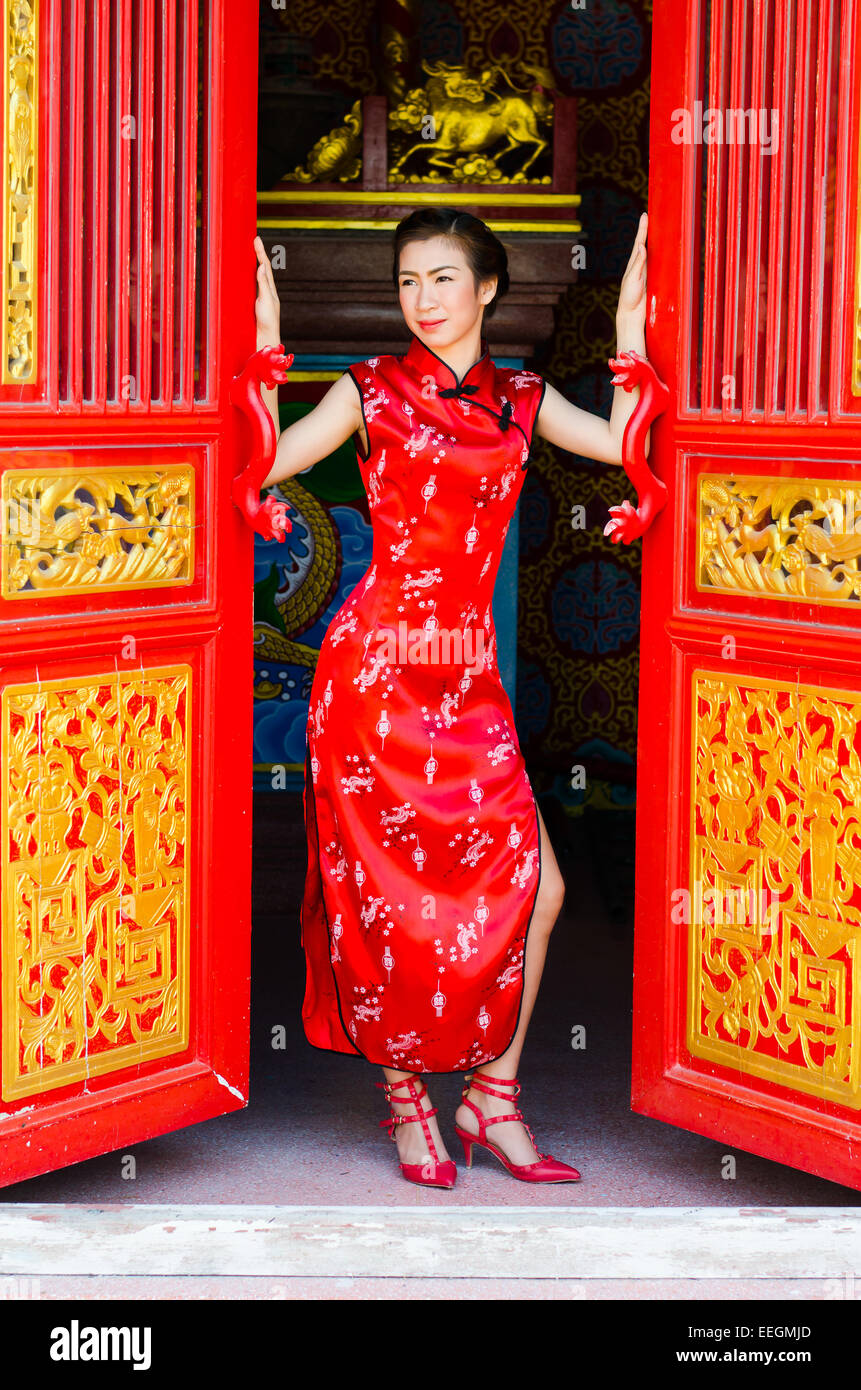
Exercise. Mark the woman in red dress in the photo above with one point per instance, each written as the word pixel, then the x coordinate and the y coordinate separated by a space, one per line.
pixel 431 886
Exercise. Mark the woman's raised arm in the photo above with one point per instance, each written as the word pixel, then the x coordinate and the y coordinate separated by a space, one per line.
pixel 333 419
pixel 324 429
pixel 580 431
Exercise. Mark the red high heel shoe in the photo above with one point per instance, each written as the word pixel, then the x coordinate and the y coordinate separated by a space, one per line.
pixel 547 1169
pixel 434 1173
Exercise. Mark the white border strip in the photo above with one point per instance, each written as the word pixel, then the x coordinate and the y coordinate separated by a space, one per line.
pixel 463 1242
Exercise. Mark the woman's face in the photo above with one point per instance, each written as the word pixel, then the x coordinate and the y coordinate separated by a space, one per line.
pixel 437 291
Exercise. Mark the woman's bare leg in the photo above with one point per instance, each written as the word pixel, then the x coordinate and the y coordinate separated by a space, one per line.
pixel 411 1139
pixel 511 1137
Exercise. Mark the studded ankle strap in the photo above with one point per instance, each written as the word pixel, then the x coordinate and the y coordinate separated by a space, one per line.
pixel 388 1086
pixel 422 1115
pixel 483 1120
pixel 479 1081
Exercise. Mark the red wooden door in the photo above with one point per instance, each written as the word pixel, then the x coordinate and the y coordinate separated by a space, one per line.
pixel 747 999
pixel 129 133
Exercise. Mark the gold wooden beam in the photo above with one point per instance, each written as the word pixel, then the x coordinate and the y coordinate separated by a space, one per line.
pixel 388 224
pixel 408 197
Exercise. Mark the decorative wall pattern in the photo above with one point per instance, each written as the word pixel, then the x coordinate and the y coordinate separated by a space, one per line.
pixel 340 36
pixel 578 663
pixel 299 585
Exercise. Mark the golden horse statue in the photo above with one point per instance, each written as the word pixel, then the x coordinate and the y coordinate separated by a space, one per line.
pixel 469 116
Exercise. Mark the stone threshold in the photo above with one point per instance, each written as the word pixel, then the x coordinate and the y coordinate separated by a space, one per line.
pixel 465 1242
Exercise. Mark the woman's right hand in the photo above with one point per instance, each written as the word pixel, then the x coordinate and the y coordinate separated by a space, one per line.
pixel 268 306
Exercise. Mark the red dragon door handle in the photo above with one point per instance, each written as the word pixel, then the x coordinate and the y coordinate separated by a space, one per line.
pixel 626 522
pixel 267 367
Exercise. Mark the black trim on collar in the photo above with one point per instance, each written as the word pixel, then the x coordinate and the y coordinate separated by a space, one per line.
pixel 485 355
pixel 465 392
pixel 451 391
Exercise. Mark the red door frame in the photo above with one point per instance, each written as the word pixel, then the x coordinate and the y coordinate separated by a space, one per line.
pixel 681 632
pixel 206 624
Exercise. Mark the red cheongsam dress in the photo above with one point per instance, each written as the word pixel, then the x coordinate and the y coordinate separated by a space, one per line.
pixel 424 854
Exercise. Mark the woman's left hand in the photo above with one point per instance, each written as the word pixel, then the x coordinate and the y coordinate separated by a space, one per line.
pixel 267 307
pixel 632 295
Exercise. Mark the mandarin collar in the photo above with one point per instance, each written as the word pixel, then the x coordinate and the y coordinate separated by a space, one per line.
pixel 425 362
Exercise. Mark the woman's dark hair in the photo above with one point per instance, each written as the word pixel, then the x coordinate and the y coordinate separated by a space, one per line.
pixel 485 253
